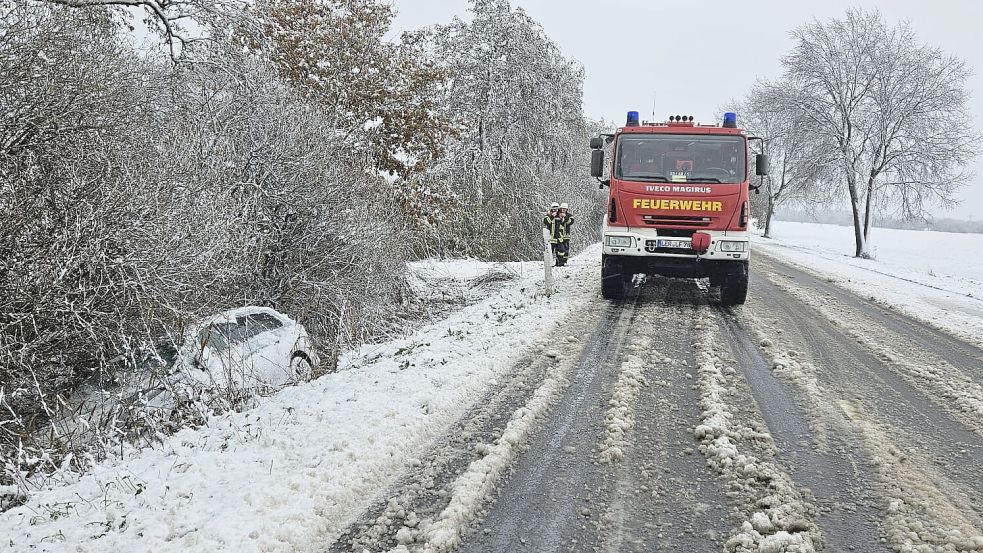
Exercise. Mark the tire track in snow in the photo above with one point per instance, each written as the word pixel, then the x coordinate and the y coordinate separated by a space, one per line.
pixel 824 464
pixel 406 513
pixel 779 515
pixel 619 419
pixel 548 503
pixel 665 498
pixel 932 376
pixel 919 516
pixel 967 357
pixel 922 460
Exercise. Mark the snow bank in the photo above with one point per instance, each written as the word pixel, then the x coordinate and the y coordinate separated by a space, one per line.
pixel 291 473
pixel 464 280
pixel 936 277
pixel 463 270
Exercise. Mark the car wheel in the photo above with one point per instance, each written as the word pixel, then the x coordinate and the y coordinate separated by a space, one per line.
pixel 301 364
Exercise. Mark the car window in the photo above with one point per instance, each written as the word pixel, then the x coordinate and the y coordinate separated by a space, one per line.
pixel 238 331
pixel 212 338
pixel 218 336
pixel 261 322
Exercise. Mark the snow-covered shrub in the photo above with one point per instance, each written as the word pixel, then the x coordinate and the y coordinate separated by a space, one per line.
pixel 523 140
pixel 138 196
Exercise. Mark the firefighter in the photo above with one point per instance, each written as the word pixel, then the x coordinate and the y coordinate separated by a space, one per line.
pixel 550 224
pixel 564 220
pixel 550 215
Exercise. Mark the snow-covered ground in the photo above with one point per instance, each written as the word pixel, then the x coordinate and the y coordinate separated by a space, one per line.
pixel 452 282
pixel 292 472
pixel 934 276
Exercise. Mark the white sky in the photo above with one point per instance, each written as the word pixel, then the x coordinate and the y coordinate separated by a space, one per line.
pixel 695 56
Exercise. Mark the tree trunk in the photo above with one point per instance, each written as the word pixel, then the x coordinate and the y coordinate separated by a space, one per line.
pixel 868 215
pixel 858 232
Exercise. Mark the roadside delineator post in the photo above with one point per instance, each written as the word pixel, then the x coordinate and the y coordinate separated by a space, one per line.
pixel 547 263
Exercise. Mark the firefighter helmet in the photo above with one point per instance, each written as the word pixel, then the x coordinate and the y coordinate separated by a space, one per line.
pixel 554 205
pixel 564 206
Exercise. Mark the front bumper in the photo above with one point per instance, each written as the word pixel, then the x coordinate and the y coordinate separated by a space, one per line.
pixel 644 243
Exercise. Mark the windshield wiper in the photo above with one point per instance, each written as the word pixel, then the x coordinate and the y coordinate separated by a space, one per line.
pixel 653 178
pixel 703 179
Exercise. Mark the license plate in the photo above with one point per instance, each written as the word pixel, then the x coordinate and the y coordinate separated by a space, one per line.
pixel 677 244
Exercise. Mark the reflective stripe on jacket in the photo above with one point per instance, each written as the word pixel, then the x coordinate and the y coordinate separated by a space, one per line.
pixel 555 226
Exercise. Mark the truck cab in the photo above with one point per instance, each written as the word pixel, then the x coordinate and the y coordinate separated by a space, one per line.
pixel 677 203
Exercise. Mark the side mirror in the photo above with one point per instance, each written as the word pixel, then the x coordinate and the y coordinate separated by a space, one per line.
pixel 596 143
pixel 597 163
pixel 761 164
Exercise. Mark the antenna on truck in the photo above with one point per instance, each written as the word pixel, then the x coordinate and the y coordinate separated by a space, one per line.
pixel 653 106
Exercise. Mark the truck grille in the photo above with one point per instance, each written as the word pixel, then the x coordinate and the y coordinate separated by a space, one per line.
pixel 677 220
pixel 676 232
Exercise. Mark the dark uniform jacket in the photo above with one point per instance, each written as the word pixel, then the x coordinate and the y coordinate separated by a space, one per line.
pixel 565 223
pixel 555 226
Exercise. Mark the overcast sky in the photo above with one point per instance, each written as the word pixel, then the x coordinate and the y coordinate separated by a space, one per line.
pixel 695 56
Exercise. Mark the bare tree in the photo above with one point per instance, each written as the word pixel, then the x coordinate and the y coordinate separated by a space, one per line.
pixel 180 22
pixel 800 159
pixel 923 137
pixel 894 110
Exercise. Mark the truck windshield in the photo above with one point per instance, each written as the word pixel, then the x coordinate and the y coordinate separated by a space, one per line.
pixel 681 158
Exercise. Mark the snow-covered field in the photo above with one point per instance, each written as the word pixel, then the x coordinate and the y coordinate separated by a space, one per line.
pixel 292 472
pixel 933 276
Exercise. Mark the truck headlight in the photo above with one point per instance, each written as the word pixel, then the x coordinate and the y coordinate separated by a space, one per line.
pixel 619 241
pixel 731 246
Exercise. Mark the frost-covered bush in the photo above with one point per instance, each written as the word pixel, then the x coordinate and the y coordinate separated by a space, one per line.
pixel 139 196
pixel 74 298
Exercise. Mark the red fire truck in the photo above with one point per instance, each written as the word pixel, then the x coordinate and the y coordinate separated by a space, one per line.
pixel 677 203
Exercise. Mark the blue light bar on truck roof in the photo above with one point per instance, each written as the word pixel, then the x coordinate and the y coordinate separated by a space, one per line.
pixel 730 120
pixel 632 119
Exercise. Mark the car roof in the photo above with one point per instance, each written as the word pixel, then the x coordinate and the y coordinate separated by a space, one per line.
pixel 233 314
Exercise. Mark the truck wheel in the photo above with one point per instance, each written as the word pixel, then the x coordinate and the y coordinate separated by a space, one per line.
pixel 615 282
pixel 733 290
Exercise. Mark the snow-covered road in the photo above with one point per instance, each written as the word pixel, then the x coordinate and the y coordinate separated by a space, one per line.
pixel 809 419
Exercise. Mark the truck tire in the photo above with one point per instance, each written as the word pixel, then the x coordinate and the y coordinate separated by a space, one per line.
pixel 615 282
pixel 733 290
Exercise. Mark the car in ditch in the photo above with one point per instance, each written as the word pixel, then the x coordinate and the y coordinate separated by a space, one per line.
pixel 221 362
pixel 250 349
